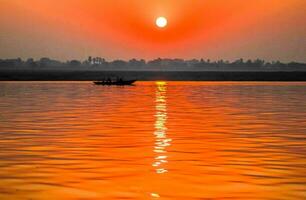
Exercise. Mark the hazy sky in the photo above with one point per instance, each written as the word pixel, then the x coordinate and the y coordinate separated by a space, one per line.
pixel 215 29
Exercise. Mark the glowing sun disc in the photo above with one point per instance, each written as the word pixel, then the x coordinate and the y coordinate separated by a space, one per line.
pixel 161 22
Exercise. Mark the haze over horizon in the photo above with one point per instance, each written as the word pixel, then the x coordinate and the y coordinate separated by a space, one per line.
pixel 119 29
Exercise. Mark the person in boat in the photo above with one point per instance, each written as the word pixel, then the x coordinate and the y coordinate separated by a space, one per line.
pixel 119 80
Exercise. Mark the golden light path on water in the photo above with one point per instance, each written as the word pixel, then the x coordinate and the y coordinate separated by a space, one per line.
pixel 161 139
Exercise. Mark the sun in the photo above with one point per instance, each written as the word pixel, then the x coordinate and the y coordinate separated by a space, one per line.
pixel 161 22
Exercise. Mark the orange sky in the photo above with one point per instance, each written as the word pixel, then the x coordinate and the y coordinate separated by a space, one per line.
pixel 215 29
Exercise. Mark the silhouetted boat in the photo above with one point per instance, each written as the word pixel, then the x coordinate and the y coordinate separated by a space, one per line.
pixel 117 82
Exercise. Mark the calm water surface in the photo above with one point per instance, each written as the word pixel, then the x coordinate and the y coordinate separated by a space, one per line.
pixel 157 140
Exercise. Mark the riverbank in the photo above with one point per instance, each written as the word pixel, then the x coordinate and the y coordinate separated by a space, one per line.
pixel 62 75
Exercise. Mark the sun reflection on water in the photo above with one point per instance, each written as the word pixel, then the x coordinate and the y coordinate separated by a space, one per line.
pixel 161 139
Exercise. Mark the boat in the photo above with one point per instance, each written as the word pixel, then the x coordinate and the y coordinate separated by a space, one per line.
pixel 119 82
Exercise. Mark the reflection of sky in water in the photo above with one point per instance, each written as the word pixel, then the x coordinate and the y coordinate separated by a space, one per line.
pixel 75 140
pixel 161 140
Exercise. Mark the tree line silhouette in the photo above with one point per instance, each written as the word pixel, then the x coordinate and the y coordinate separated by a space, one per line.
pixel 159 63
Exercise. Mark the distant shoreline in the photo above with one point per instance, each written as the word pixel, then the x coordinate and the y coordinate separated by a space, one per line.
pixel 62 75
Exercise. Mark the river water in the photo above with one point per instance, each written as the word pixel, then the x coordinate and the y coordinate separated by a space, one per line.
pixel 155 140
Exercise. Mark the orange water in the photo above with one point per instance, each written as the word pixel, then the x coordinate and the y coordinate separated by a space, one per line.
pixel 156 140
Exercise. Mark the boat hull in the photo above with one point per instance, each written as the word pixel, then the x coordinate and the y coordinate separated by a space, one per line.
pixel 118 83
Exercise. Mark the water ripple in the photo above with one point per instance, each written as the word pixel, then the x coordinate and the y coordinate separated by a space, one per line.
pixel 176 140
